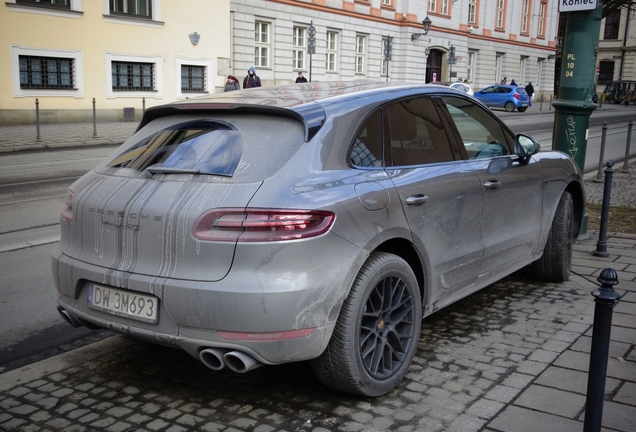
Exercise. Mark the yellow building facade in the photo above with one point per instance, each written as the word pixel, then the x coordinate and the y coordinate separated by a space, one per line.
pixel 126 55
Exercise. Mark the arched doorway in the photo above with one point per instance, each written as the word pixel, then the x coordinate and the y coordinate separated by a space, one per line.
pixel 434 65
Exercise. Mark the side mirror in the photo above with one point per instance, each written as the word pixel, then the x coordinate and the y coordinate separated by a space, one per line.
pixel 526 147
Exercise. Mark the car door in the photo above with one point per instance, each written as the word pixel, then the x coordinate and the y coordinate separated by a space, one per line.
pixel 512 192
pixel 440 195
pixel 490 96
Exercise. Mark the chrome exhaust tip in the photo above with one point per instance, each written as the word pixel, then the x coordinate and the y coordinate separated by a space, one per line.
pixel 240 362
pixel 213 358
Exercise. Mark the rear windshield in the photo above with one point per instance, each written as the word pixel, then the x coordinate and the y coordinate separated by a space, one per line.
pixel 246 147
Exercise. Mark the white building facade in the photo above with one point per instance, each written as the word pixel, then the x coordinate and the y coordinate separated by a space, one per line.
pixel 490 39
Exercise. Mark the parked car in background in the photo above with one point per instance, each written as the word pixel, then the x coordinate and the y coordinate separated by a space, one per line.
pixel 290 223
pixel 462 86
pixel 504 96
pixel 615 91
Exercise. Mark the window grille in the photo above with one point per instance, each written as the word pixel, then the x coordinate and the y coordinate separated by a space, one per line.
pixel 46 72
pixel 192 78
pixel 132 76
pixel 135 8
pixel 62 4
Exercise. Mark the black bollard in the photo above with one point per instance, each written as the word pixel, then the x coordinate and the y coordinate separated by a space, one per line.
pixel 599 175
pixel 94 121
pixel 37 119
pixel 605 299
pixel 143 105
pixel 629 141
pixel 601 244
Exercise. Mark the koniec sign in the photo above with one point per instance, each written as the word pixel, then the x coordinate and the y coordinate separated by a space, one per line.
pixel 577 5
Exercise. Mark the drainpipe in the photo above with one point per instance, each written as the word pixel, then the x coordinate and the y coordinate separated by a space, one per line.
pixel 629 12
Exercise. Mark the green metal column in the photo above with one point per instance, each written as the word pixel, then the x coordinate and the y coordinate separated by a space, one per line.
pixel 574 105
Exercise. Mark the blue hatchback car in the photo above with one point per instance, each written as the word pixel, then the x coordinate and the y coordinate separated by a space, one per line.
pixel 504 96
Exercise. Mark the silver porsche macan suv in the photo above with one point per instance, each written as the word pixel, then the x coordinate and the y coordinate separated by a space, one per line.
pixel 314 221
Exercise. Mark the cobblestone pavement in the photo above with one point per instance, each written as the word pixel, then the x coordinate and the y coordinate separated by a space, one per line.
pixel 512 357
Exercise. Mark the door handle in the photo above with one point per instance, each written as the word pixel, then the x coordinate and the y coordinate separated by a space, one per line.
pixel 492 184
pixel 415 200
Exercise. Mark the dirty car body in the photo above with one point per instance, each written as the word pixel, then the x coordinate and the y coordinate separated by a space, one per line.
pixel 315 221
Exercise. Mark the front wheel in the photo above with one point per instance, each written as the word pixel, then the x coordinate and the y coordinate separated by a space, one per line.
pixel 510 107
pixel 556 261
pixel 376 334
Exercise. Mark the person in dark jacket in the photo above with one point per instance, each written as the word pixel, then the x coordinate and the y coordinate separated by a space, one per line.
pixel 513 83
pixel 530 91
pixel 232 84
pixel 251 80
pixel 301 78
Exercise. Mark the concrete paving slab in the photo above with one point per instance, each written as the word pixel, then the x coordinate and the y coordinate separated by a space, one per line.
pixel 617 417
pixel 572 380
pixel 552 401
pixel 518 419
pixel 626 394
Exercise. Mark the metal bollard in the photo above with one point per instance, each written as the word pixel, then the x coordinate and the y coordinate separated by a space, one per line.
pixel 629 141
pixel 550 107
pixel 601 244
pixel 605 298
pixel 37 119
pixel 541 104
pixel 94 121
pixel 599 174
pixel 143 105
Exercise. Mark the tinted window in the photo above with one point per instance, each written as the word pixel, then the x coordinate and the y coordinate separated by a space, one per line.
pixel 367 147
pixel 416 133
pixel 481 133
pixel 247 147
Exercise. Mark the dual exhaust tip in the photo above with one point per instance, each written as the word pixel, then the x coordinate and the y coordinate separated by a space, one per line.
pixel 214 358
pixel 236 361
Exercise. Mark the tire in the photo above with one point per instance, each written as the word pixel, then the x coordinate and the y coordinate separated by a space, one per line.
pixel 556 262
pixel 377 332
pixel 522 109
pixel 510 107
pixel 612 100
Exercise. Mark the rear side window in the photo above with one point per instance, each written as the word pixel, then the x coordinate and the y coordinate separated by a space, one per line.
pixel 416 133
pixel 246 147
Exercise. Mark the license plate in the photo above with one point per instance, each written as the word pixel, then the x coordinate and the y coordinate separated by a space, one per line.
pixel 124 303
pixel 524 105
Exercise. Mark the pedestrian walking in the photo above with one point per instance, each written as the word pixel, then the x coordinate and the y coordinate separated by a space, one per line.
pixel 628 96
pixel 513 83
pixel 251 79
pixel 530 91
pixel 504 81
pixel 232 84
pixel 301 78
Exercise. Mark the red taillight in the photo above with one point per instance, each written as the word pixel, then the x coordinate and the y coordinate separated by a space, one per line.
pixel 67 213
pixel 261 225
pixel 273 336
pixel 517 96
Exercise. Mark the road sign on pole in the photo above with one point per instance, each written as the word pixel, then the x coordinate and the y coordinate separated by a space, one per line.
pixel 311 44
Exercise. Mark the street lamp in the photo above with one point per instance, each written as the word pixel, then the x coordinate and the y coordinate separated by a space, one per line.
pixel 427 26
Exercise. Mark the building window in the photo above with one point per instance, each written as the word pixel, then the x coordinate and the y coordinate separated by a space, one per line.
pixel 500 14
pixel 470 66
pixel 261 40
pixel 133 8
pixel 298 61
pixel 61 4
pixel 612 22
pixel 360 53
pixel 132 76
pixel 525 16
pixel 46 72
pixel 542 11
pixel 605 72
pixel 444 9
pixel 331 51
pixel 386 3
pixel 432 6
pixel 472 11
pixel 192 78
pixel 498 67
pixel 384 68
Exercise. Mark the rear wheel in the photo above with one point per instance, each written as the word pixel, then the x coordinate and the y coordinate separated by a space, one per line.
pixel 555 264
pixel 510 107
pixel 376 334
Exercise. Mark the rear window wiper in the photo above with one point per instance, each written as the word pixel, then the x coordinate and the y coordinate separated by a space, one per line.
pixel 169 170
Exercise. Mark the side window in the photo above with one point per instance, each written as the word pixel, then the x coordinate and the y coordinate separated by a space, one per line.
pixel 367 147
pixel 416 134
pixel 482 134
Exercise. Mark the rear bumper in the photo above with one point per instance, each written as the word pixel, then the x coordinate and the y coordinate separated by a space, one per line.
pixel 271 312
